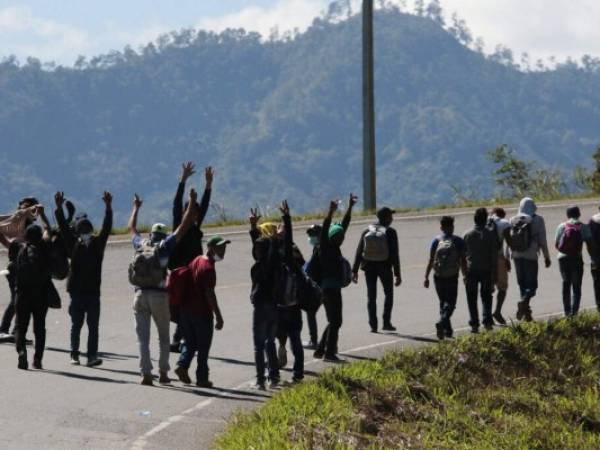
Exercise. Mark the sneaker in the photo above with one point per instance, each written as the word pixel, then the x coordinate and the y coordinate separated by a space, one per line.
pixel 7 337
pixel 75 360
pixel 175 347
pixel 259 386
pixel 94 362
pixel 498 318
pixel 334 359
pixel 23 364
pixel 273 383
pixel 164 378
pixel 389 327
pixel 28 342
pixel 182 374
pixel 204 384
pixel 282 356
pixel 296 380
pixel 521 310
pixel 488 327
pixel 374 330
pixel 528 317
pixel 474 329
pixel 318 354
pixel 439 329
pixel 147 380
pixel 37 364
pixel 310 345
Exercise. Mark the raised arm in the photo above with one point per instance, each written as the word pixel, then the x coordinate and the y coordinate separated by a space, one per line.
pixel 254 218
pixel 187 170
pixel 188 217
pixel 333 205
pixel 108 217
pixel 63 226
pixel 137 204
pixel 209 174
pixel 288 235
pixel 348 216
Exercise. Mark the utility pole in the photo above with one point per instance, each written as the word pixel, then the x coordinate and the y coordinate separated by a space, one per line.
pixel 369 177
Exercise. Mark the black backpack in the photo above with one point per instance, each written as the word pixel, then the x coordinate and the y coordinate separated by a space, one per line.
pixel 310 295
pixel 313 267
pixel 32 267
pixel 493 227
pixel 58 258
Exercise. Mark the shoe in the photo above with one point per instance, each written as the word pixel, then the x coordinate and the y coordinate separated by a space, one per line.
pixel 94 362
pixel 282 356
pixel 273 383
pixel 488 327
pixel 374 330
pixel 498 318
pixel 7 337
pixel 37 364
pixel 147 380
pixel 75 360
pixel 389 327
pixel 521 309
pixel 474 329
pixel 296 380
pixel 204 384
pixel 334 359
pixel 439 329
pixel 310 345
pixel 318 354
pixel 164 378
pixel 23 364
pixel 28 342
pixel 528 317
pixel 259 386
pixel 182 374
pixel 175 347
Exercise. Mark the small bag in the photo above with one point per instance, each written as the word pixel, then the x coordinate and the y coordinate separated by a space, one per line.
pixel 145 271
pixel 376 247
pixel 520 235
pixel 346 272
pixel 571 241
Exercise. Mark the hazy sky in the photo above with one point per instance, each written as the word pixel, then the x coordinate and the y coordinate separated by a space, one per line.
pixel 60 30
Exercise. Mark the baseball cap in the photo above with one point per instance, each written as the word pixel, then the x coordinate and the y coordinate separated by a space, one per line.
pixel 159 228
pixel 217 241
pixel 385 212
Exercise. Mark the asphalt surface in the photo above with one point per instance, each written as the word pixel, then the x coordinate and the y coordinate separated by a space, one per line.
pixel 66 407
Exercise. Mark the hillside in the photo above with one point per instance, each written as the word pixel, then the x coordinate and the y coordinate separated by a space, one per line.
pixel 282 118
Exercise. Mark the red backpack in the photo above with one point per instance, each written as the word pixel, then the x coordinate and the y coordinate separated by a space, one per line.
pixel 571 241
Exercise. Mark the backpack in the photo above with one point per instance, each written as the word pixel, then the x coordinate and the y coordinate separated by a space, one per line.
pixel 446 263
pixel 571 241
pixel 179 287
pixel 520 235
pixel 287 287
pixel 346 272
pixel 376 248
pixel 493 227
pixel 313 267
pixel 309 293
pixel 145 271
pixel 59 258
pixel 32 267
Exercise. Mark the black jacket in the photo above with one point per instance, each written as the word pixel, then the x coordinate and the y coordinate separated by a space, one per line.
pixel 85 275
pixel 190 245
pixel 393 260
pixel 330 255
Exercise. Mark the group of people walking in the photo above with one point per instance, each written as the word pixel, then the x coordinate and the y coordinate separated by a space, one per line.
pixel 174 277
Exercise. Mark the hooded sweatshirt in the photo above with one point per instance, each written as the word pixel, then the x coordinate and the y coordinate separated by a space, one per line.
pixel 539 242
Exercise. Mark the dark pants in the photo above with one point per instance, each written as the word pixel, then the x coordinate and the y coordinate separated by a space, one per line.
pixel 447 292
pixel 290 320
pixel 385 274
pixel 9 314
pixel 198 334
pixel 313 331
pixel 26 306
pixel 481 281
pixel 264 327
pixel 85 307
pixel 527 277
pixel 571 271
pixel 332 301
pixel 596 278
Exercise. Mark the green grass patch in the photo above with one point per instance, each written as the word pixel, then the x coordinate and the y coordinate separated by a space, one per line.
pixel 530 386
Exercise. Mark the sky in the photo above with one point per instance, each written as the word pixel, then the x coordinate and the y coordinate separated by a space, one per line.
pixel 61 30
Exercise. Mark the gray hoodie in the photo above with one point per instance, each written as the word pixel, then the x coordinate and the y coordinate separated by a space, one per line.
pixel 539 241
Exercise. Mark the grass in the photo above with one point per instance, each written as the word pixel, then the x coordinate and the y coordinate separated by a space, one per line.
pixel 530 386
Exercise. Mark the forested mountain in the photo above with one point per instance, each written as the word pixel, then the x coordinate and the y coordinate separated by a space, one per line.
pixel 282 118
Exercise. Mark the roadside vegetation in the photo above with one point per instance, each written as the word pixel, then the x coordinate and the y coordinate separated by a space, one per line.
pixel 529 386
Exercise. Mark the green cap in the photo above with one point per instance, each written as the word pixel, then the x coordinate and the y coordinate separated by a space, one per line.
pixel 334 230
pixel 217 241
pixel 159 228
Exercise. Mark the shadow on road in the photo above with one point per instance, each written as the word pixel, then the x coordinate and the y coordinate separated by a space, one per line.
pixel 86 377
pixel 415 338
pixel 105 355
pixel 233 361
pixel 357 357
pixel 209 394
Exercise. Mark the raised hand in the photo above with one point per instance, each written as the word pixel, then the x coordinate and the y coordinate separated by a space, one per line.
pixel 254 217
pixel 107 198
pixel 59 199
pixel 187 170
pixel 352 201
pixel 284 208
pixel 137 201
pixel 333 206
pixel 209 175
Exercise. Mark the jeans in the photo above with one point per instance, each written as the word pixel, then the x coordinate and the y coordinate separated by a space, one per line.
pixel 527 277
pixel 482 281
pixel 571 271
pixel 198 334
pixel 385 274
pixel 291 321
pixel 85 307
pixel 332 300
pixel 313 331
pixel 447 292
pixel 596 278
pixel 9 314
pixel 26 306
pixel 147 305
pixel 264 327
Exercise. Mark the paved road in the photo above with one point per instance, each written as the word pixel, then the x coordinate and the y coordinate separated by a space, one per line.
pixel 66 407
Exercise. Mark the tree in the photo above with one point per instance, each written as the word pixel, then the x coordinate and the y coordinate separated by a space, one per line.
pixel 434 12
pixel 589 180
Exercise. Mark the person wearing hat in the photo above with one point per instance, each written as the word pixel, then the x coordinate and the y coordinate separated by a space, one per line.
pixel 152 302
pixel 86 252
pixel 198 314
pixel 332 272
pixel 378 256
pixel 569 239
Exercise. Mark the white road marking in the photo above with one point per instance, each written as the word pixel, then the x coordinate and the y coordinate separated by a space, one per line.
pixel 141 442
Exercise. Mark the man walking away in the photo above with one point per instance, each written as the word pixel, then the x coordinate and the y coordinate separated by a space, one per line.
pixel 86 253
pixel 311 267
pixel 481 253
pixel 569 240
pixel 594 225
pixel 446 259
pixel 527 238
pixel 333 267
pixel 198 314
pixel 378 256
pixel 148 273
pixel 501 227
pixel 190 246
